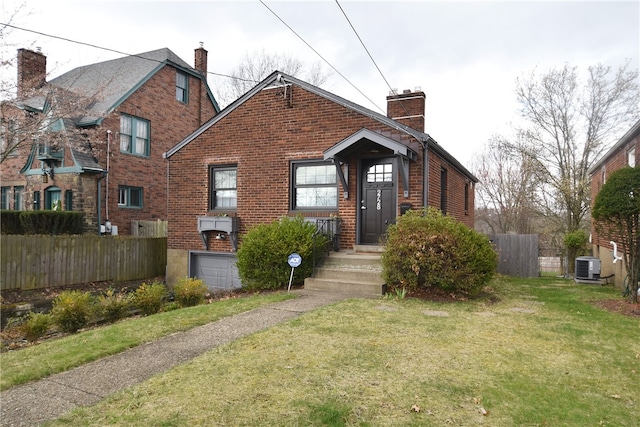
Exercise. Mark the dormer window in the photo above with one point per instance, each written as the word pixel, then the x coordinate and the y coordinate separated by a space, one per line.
pixel 182 87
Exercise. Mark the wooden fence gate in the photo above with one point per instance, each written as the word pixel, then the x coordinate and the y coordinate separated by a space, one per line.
pixel 517 254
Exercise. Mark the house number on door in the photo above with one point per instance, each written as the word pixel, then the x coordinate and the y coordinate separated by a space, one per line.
pixel 378 201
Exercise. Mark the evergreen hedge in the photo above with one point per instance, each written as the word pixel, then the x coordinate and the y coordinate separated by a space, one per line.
pixel 41 222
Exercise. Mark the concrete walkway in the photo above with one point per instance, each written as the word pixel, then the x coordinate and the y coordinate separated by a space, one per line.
pixel 34 403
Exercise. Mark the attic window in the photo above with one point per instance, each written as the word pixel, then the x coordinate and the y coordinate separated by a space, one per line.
pixel 182 87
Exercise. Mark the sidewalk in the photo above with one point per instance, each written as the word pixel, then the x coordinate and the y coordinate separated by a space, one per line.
pixel 34 403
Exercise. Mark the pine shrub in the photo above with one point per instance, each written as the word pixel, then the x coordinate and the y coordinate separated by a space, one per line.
pixel 113 306
pixel 35 326
pixel 426 249
pixel 149 298
pixel 189 291
pixel 262 257
pixel 72 310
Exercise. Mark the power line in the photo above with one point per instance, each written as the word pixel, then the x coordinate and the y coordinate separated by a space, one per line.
pixel 109 49
pixel 321 57
pixel 372 60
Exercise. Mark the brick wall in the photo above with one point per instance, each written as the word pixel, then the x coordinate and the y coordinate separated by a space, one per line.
pixel 262 137
pixel 616 160
pixel 170 122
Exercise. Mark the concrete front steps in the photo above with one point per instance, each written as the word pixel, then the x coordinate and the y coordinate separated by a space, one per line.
pixel 357 273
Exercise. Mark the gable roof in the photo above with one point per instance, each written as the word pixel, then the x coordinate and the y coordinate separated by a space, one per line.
pixel 110 83
pixel 280 78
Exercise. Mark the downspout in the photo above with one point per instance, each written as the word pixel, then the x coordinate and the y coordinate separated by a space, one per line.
pixel 99 198
pixel 425 159
pixel 107 180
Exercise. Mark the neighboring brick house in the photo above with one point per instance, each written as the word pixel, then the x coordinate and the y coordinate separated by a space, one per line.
pixel 626 152
pixel 135 108
pixel 287 148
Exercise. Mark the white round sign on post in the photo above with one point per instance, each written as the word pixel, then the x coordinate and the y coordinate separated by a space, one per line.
pixel 294 261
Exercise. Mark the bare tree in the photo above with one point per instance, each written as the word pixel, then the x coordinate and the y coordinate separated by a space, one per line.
pixel 571 124
pixel 507 189
pixel 255 66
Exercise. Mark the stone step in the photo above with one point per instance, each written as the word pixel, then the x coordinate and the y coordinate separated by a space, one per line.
pixel 359 289
pixel 352 259
pixel 357 275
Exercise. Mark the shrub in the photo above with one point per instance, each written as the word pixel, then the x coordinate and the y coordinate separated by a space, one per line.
pixel 427 249
pixel 150 298
pixel 112 305
pixel 262 257
pixel 10 222
pixel 51 222
pixel 35 326
pixel 71 310
pixel 190 291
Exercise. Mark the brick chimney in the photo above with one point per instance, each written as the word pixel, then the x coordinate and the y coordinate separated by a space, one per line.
pixel 407 107
pixel 200 63
pixel 32 71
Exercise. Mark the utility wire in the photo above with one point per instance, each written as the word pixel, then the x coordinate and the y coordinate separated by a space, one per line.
pixel 321 57
pixel 109 49
pixel 372 60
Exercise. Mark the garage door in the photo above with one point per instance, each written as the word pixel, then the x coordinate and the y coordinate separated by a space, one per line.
pixel 217 270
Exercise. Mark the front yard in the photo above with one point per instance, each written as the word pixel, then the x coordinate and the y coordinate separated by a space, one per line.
pixel 538 353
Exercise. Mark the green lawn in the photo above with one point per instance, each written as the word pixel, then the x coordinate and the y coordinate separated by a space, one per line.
pixel 540 356
pixel 55 356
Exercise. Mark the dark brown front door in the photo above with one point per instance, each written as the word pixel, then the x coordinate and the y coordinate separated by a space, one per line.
pixel 377 205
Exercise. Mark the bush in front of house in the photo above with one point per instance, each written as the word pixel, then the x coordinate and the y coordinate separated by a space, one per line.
pixel 426 249
pixel 189 291
pixel 263 256
pixel 72 310
pixel 10 222
pixel 35 326
pixel 51 222
pixel 112 306
pixel 149 298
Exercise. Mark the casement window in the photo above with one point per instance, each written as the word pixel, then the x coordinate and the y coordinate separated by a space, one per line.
pixel 223 187
pixel 4 200
pixel 182 87
pixel 52 199
pixel 8 137
pixel 314 186
pixel 129 197
pixel 36 200
pixel 631 157
pixel 18 198
pixel 134 135
pixel 68 200
pixel 443 190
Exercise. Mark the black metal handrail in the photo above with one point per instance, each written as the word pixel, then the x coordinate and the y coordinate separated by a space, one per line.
pixel 329 227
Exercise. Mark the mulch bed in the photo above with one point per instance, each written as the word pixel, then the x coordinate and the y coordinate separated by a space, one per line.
pixel 621 306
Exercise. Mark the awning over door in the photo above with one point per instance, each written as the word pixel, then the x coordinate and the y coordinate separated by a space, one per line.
pixel 342 150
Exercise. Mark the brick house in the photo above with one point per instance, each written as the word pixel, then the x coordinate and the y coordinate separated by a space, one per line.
pixel 133 108
pixel 287 148
pixel 624 153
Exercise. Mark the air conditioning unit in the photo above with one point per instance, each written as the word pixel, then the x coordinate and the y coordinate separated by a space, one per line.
pixel 587 268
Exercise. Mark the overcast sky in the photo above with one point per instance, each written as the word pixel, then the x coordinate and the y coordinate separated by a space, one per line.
pixel 465 56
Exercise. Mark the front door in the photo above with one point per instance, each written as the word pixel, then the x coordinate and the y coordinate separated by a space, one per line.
pixel 377 204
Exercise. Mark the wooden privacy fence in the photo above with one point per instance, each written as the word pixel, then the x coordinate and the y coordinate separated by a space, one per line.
pixel 149 228
pixel 34 262
pixel 517 254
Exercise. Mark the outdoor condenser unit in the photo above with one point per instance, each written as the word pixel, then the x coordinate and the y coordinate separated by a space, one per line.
pixel 587 268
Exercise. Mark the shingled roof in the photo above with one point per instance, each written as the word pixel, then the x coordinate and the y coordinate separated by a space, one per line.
pixel 107 84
